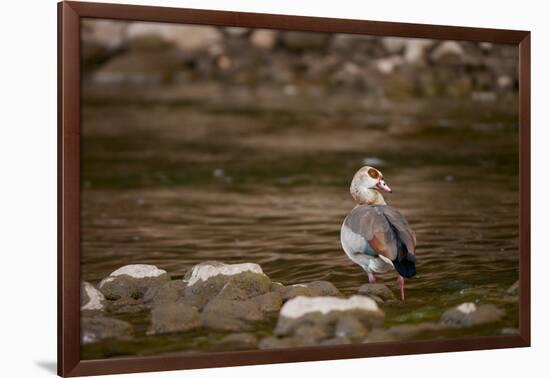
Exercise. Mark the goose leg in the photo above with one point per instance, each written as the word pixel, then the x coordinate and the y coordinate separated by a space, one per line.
pixel 372 279
pixel 401 282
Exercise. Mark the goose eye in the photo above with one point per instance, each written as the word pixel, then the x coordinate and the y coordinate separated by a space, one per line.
pixel 373 173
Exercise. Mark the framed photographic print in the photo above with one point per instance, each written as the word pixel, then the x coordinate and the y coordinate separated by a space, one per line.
pixel 239 188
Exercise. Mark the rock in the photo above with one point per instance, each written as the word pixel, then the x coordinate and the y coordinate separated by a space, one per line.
pixel 105 33
pixel 101 40
pixel 137 66
pixel 174 317
pixel 236 32
pixel 377 299
pixel 207 279
pixel 447 50
pixel 293 291
pixel 90 298
pixel 350 328
pixel 394 45
pixel 186 37
pixel 269 302
pixel 468 314
pixel 379 335
pixel 231 292
pixel 350 74
pixel 376 290
pixel 132 281
pixel 312 333
pixel 280 342
pixel 238 341
pixel 97 328
pixel 336 341
pixel 388 65
pixel 226 315
pixel 277 286
pixel 403 332
pixel 169 292
pixel 326 312
pixel 415 50
pixel 486 46
pixel 514 289
pixel 409 331
pixel 323 288
pixel 504 82
pixel 263 38
pixel 297 40
pixel 126 306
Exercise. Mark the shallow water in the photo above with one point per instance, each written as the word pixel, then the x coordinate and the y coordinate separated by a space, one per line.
pixel 174 185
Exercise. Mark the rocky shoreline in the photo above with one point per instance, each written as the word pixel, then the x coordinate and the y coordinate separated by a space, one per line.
pixel 235 298
pixel 295 64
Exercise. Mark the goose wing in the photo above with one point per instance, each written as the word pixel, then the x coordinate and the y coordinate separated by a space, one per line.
pixel 384 230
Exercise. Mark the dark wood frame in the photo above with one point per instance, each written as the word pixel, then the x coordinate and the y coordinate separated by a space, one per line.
pixel 69 14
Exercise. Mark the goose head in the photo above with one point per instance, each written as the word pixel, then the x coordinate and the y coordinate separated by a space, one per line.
pixel 367 185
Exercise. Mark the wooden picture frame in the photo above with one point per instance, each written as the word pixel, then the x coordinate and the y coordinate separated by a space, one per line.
pixel 69 15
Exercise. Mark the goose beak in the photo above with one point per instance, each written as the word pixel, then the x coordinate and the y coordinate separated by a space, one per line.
pixel 383 186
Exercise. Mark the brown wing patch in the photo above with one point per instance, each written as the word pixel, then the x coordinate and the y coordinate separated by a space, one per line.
pixel 378 243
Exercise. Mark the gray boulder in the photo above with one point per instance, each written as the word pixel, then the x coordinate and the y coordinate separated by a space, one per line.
pixel 469 314
pixel 169 292
pixel 273 342
pixel 126 306
pixel 323 288
pixel 174 317
pixel 227 315
pixel 206 280
pixel 232 292
pixel 326 312
pixel 310 289
pixel 404 332
pixel 293 291
pixel 376 290
pixel 132 281
pixel 237 341
pixel 447 51
pixel 350 328
pixel 269 302
pixel 98 328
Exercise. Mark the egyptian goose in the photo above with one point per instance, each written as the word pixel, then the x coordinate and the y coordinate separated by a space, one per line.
pixel 374 235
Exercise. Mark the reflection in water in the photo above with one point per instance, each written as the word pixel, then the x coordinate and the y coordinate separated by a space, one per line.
pixel 194 186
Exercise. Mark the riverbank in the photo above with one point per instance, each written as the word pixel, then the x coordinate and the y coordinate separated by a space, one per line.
pixel 219 306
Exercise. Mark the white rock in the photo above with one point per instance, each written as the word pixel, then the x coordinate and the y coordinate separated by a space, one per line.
pixel 504 81
pixel 263 38
pixel 447 48
pixel 136 271
pixel 415 48
pixel 301 305
pixel 203 272
pixel 394 44
pixel 466 308
pixel 235 31
pixel 388 65
pixel 486 46
pixel 96 298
